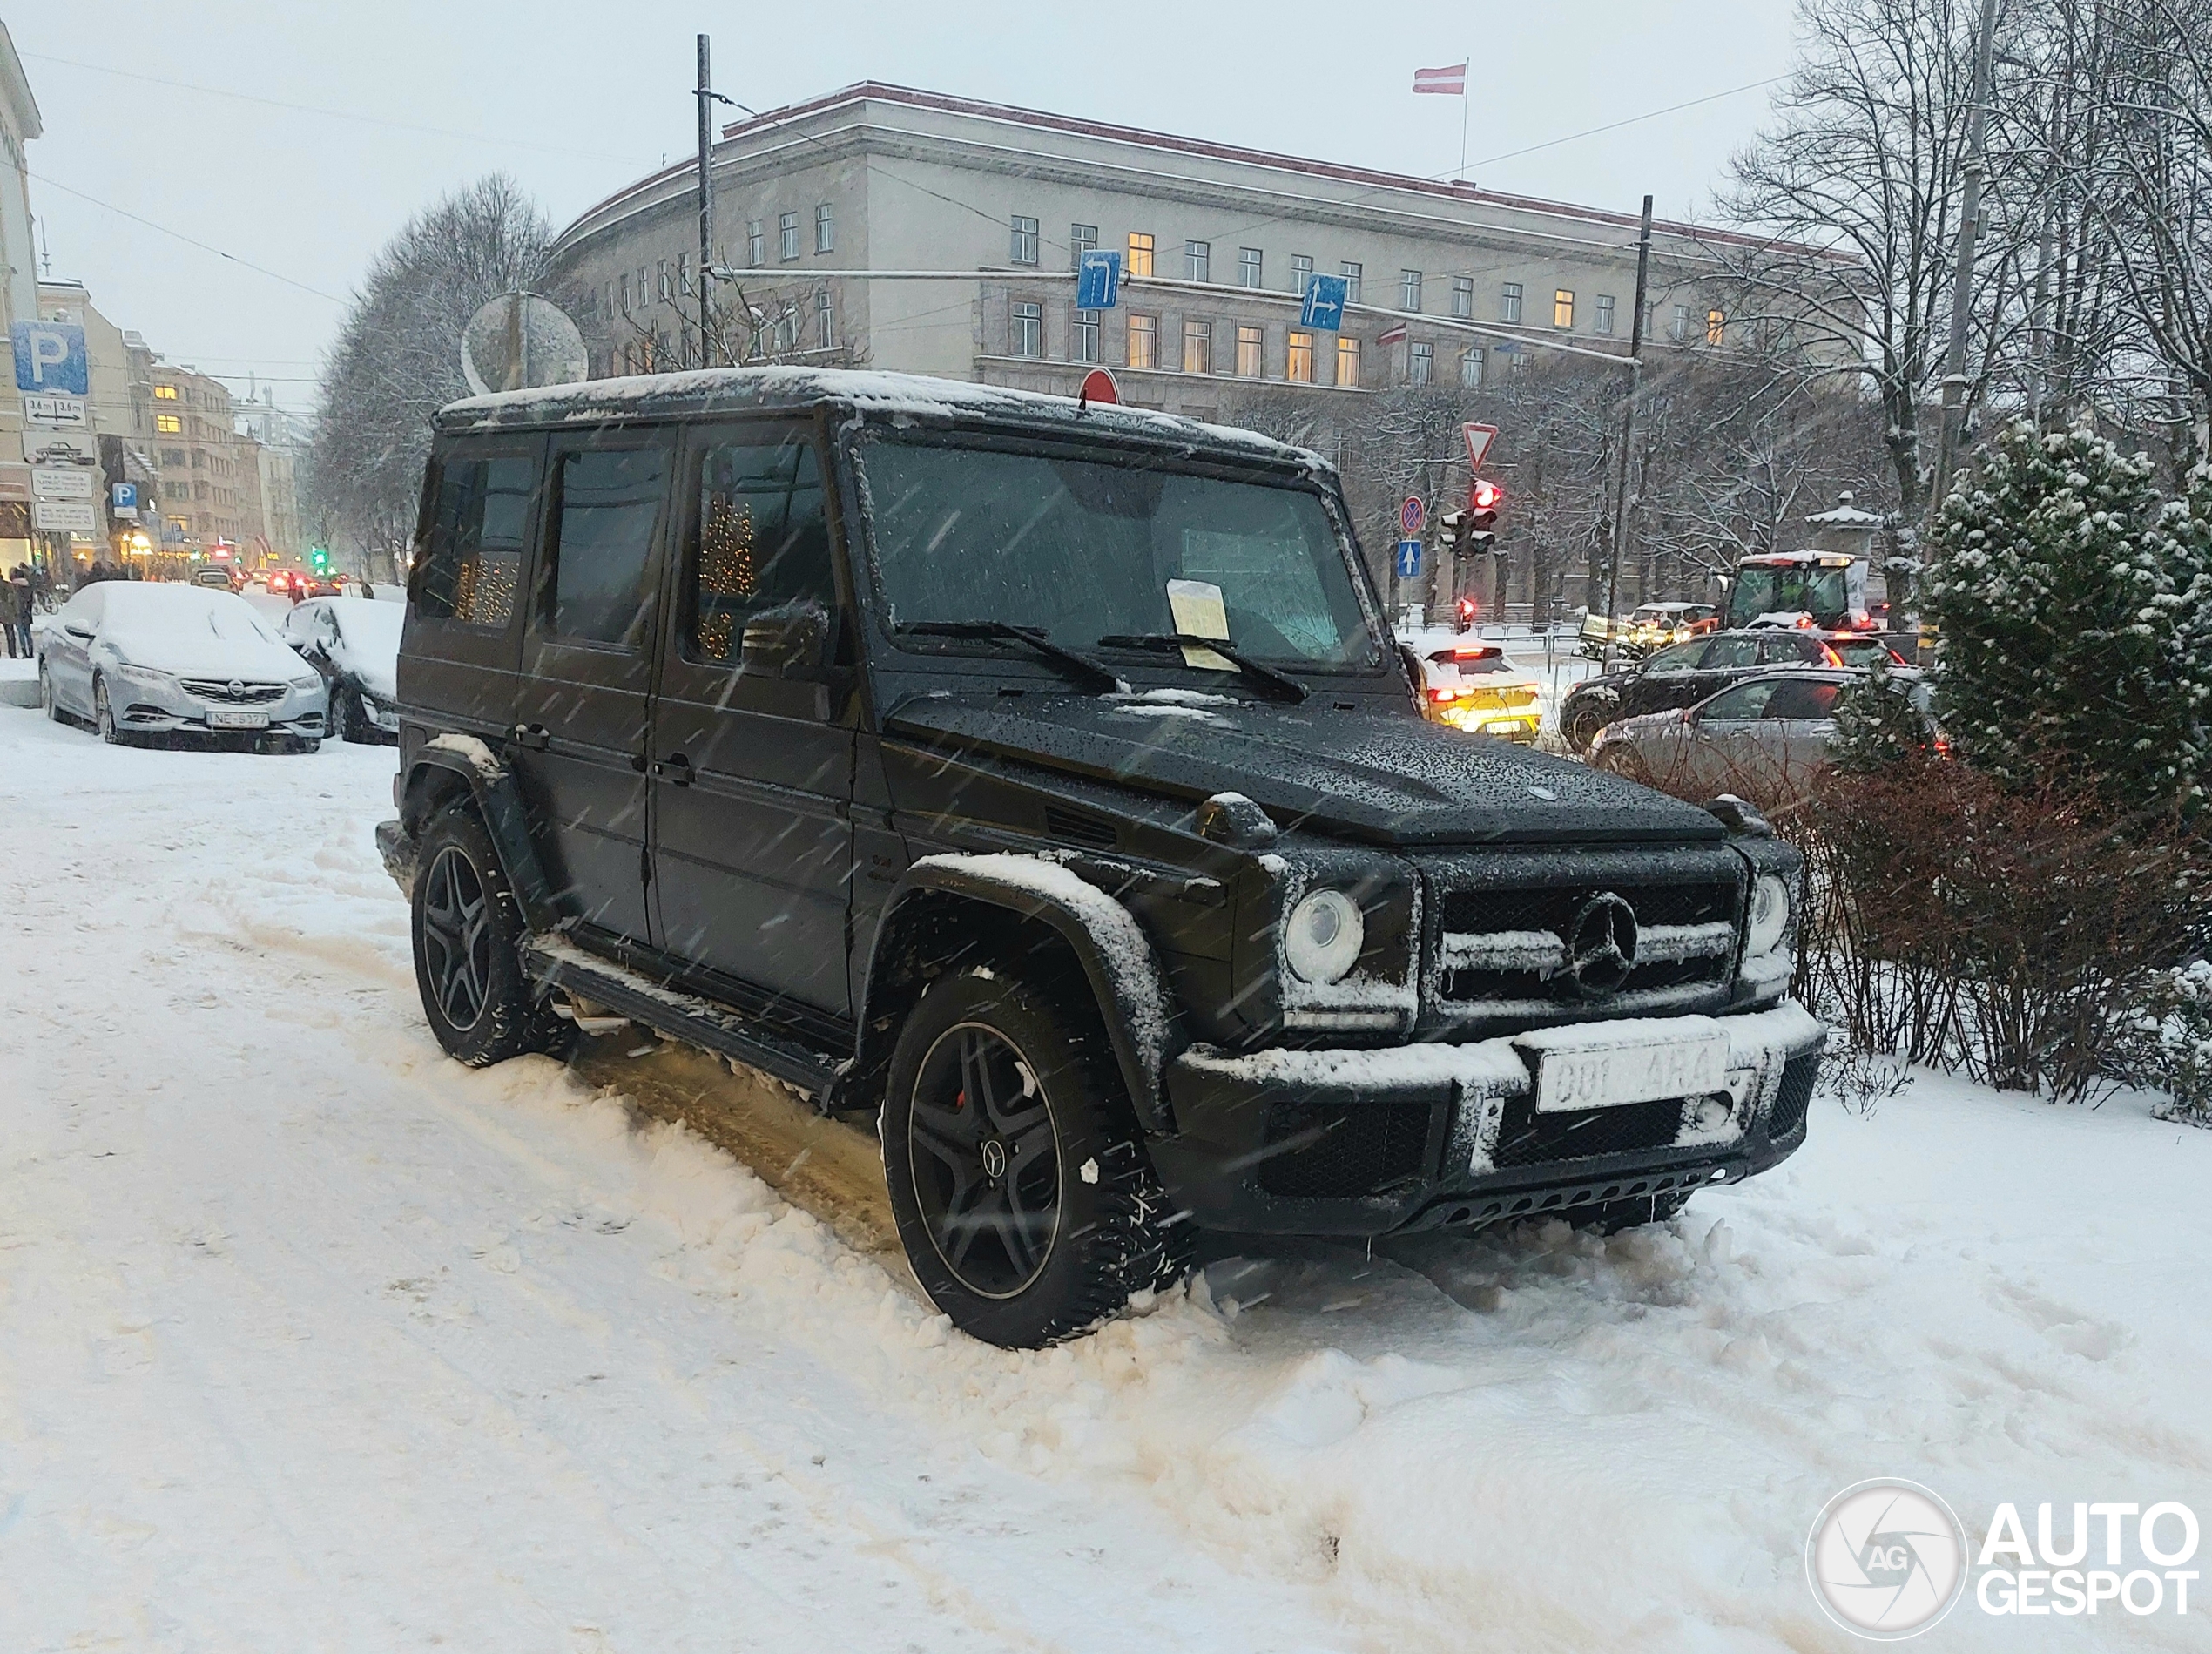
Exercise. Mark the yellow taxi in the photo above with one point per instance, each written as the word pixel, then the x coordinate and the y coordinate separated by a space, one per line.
pixel 1471 686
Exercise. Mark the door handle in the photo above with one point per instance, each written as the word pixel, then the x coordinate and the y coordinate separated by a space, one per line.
pixel 535 737
pixel 675 768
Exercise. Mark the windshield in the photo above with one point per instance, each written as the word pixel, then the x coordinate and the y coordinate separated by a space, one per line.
pixel 185 611
pixel 1768 590
pixel 1079 550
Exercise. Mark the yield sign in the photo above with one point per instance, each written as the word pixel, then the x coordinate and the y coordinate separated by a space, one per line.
pixel 1479 439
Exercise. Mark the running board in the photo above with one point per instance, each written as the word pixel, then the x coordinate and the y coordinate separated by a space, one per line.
pixel 554 962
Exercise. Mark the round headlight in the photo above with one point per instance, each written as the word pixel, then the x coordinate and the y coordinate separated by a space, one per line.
pixel 1770 915
pixel 1324 936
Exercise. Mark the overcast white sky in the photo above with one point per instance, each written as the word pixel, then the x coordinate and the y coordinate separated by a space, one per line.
pixel 578 97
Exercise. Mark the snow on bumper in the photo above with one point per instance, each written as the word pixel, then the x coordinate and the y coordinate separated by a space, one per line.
pixel 1366 1142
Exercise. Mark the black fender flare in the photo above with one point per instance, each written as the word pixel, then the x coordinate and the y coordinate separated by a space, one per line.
pixel 1119 965
pixel 498 800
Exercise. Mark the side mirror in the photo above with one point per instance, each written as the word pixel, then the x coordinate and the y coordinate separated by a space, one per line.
pixel 83 634
pixel 792 641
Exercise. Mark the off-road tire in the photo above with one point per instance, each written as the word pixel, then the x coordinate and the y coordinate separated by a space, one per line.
pixel 511 1018
pixel 1115 1233
pixel 1612 1217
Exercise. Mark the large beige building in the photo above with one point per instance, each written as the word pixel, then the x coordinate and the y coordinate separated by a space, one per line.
pixel 210 474
pixel 1450 283
pixel 19 124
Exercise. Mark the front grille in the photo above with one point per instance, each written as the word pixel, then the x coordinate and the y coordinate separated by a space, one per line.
pixel 1509 942
pixel 1794 1098
pixel 1527 1138
pixel 1554 909
pixel 1319 1151
pixel 241 695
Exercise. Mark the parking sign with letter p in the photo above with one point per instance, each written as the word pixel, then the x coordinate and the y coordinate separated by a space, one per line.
pixel 49 358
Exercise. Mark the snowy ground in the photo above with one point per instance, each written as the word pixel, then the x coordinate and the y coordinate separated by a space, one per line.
pixel 309 1339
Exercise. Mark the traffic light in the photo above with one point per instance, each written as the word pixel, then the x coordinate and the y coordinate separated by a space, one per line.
pixel 1468 608
pixel 319 558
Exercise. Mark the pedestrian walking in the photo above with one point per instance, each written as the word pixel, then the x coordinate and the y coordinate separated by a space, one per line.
pixel 16 611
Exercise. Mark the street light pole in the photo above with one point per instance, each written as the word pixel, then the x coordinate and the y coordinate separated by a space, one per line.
pixel 1955 364
pixel 705 283
pixel 1619 537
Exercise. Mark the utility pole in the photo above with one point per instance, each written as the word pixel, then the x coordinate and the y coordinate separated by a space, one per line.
pixel 1627 433
pixel 706 204
pixel 1955 365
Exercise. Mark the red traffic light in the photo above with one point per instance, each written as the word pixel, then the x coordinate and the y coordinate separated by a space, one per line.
pixel 1467 611
pixel 1484 495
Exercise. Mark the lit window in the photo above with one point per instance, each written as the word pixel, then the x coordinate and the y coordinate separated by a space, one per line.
pixel 1347 362
pixel 1603 320
pixel 1351 274
pixel 1083 343
pixel 168 425
pixel 1563 308
pixel 1301 272
pixel 824 229
pixel 787 235
pixel 1025 333
pixel 1144 337
pixel 164 393
pixel 1197 260
pixel 1419 360
pixel 1679 330
pixel 1715 327
pixel 1082 239
pixel 1140 254
pixel 1197 346
pixel 1300 365
pixel 1251 343
pixel 1248 264
pixel 1463 297
pixel 1409 289
pixel 756 249
pixel 1024 248
pixel 1471 370
pixel 1509 302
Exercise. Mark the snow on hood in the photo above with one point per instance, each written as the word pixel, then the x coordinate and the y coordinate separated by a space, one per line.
pixel 193 632
pixel 368 644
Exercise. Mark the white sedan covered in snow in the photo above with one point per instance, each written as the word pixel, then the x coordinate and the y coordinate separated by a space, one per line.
pixel 354 644
pixel 148 663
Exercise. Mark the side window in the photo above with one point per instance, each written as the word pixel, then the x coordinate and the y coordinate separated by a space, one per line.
pixel 599 545
pixel 1675 657
pixel 760 540
pixel 475 557
pixel 1807 700
pixel 1745 702
pixel 1723 654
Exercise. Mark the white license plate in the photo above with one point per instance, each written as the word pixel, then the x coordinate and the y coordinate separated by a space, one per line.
pixel 1609 1065
pixel 238 720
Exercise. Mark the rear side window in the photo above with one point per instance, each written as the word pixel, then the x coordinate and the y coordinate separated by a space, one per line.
pixel 1740 704
pixel 599 549
pixel 475 558
pixel 1807 699
pixel 760 540
pixel 1724 653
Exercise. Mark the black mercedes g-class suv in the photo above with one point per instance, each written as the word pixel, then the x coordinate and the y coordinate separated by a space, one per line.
pixel 1040 777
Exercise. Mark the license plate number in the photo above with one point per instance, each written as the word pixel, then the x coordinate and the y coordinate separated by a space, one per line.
pixel 1611 1066
pixel 238 720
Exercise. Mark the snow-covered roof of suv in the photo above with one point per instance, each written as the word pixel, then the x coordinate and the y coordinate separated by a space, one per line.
pixel 714 390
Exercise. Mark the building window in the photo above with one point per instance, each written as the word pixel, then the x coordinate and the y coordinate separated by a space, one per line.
pixel 1351 274
pixel 1603 320
pixel 1509 302
pixel 1419 359
pixel 1301 272
pixel 1347 362
pixel 824 229
pixel 1024 249
pixel 825 319
pixel 1679 331
pixel 1197 260
pixel 1463 297
pixel 661 288
pixel 1143 339
pixel 1083 340
pixel 1299 368
pixel 1471 370
pixel 1197 346
pixel 1563 308
pixel 1251 342
pixel 1025 333
pixel 1409 289
pixel 1715 327
pixel 756 248
pixel 1082 239
pixel 787 235
pixel 1248 267
pixel 164 393
pixel 168 425
pixel 1140 254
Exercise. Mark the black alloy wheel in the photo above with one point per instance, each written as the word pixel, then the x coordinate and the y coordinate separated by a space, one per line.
pixel 469 932
pixel 457 938
pixel 985 1166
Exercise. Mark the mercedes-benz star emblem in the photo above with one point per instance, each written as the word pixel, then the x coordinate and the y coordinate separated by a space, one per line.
pixel 994 1158
pixel 1601 945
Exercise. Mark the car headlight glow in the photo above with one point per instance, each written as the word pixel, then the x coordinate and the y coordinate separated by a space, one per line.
pixel 1770 915
pixel 1323 937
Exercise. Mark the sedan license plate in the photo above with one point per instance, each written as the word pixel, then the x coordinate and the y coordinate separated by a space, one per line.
pixel 1611 1064
pixel 238 720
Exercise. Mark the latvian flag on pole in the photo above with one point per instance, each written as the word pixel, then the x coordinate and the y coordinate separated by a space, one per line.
pixel 1451 83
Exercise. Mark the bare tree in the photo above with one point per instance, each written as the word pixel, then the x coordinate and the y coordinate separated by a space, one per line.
pixel 398 356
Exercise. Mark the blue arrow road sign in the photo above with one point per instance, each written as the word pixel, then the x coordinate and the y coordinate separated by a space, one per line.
pixel 1325 300
pixel 49 358
pixel 1409 559
pixel 1098 282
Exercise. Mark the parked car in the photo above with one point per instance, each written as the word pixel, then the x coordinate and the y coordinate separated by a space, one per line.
pixel 214 579
pixel 1042 781
pixel 1471 686
pixel 355 644
pixel 1766 737
pixel 1682 675
pixel 1651 625
pixel 145 663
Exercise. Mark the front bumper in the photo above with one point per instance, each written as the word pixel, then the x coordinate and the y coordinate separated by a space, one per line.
pixel 149 706
pixel 1418 1137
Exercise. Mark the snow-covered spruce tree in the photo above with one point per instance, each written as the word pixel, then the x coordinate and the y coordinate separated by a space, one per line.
pixel 1876 725
pixel 2073 603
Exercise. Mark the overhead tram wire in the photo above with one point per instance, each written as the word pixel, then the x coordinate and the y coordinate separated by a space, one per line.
pixel 122 212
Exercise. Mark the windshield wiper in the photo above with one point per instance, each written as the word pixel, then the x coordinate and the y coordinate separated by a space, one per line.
pixel 1274 685
pixel 1074 662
